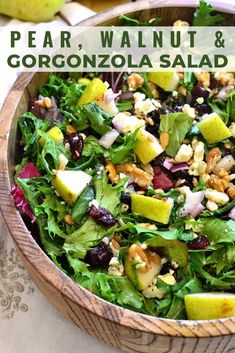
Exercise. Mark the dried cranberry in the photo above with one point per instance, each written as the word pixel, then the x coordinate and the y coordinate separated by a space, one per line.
pixel 162 179
pixel 183 174
pixel 160 159
pixel 75 141
pixel 166 268
pixel 202 109
pixel 177 108
pixel 199 243
pixel 165 110
pixel 102 216
pixel 188 98
pixel 99 256
pixel 213 83
pixel 199 91
pixel 126 198
pixel 232 286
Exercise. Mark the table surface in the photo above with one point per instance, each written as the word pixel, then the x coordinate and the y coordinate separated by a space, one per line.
pixel 28 323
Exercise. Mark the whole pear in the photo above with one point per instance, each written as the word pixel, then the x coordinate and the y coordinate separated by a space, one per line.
pixel 31 10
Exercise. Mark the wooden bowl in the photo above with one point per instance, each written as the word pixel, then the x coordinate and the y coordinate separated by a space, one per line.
pixel 122 328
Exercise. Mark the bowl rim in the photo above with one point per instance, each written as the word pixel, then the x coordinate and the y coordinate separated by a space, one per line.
pixel 46 269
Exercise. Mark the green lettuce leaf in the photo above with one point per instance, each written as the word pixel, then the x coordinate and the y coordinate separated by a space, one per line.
pixel 175 249
pixel 219 231
pixel 118 290
pixel 82 204
pixel 203 16
pixel 124 153
pixel 91 233
pixel 30 126
pixel 99 120
pixel 177 125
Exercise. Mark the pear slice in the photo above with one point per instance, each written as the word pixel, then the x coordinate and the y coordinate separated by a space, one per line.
pixel 140 276
pixel 55 134
pixel 70 184
pixel 168 81
pixel 154 209
pixel 208 306
pixel 31 10
pixel 108 105
pixel 148 146
pixel 213 129
pixel 93 91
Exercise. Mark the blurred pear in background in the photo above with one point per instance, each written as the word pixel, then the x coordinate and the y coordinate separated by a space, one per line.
pixel 101 5
pixel 31 10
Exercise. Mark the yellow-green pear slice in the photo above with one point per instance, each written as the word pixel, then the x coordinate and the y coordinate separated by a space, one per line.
pixel 31 10
pixel 154 209
pixel 148 146
pixel 55 134
pixel 93 91
pixel 70 184
pixel 141 277
pixel 213 129
pixel 168 81
pixel 208 306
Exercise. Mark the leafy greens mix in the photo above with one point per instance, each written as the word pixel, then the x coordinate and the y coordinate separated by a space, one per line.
pixel 130 193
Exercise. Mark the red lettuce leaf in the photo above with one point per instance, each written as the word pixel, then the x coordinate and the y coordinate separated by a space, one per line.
pixel 29 171
pixel 162 179
pixel 21 202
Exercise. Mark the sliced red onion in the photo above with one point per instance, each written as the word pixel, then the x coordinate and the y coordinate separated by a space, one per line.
pixel 167 163
pixel 192 206
pixel 224 91
pixel 109 97
pixel 177 167
pixel 108 139
pixel 232 213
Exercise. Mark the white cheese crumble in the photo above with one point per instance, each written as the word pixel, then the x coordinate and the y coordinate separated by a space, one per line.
pixel 189 110
pixel 116 268
pixel 94 203
pixel 184 154
pixel 220 198
pixel 200 100
pixel 168 278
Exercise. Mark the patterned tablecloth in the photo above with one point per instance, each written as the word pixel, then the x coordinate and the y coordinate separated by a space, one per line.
pixel 28 323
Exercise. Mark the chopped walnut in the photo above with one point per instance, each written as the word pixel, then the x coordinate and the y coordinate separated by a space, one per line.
pixel 164 139
pixel 47 102
pixel 180 23
pixel 135 81
pixel 219 182
pixel 141 178
pixel 137 254
pixel 220 198
pixel 153 90
pixel 212 158
pixel 231 192
pixel 211 206
pixel 182 90
pixel 225 78
pixel 112 174
pixel 70 129
pixel 203 77
pixel 198 166
pixel 68 219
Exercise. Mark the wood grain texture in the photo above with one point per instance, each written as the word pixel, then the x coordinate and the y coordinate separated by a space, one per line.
pixel 121 328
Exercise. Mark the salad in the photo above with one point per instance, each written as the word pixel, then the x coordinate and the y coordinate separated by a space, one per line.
pixel 128 182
